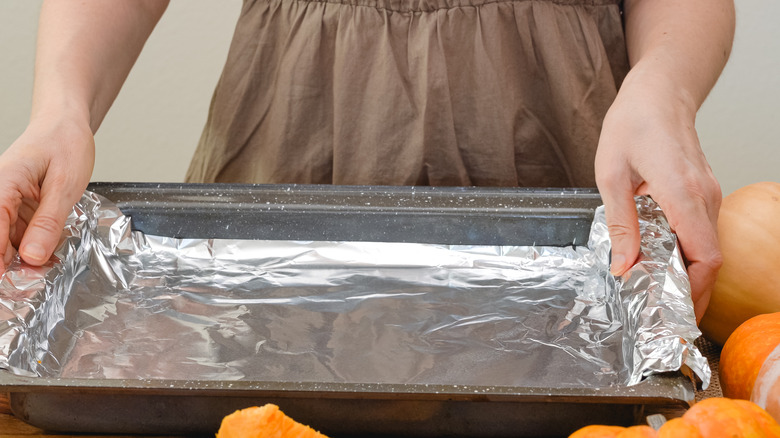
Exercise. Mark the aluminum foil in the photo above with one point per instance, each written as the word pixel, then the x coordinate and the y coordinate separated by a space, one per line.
pixel 118 304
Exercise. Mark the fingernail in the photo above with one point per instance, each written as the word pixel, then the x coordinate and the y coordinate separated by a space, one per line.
pixel 618 264
pixel 34 252
pixel 9 256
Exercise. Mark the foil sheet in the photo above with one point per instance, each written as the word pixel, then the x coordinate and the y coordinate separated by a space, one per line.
pixel 118 304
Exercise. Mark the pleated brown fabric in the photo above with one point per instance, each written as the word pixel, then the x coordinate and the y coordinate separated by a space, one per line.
pixel 414 92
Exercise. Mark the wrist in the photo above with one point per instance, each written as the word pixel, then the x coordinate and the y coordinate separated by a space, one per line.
pixel 60 111
pixel 654 84
pixel 60 127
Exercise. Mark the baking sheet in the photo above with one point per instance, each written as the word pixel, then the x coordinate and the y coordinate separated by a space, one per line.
pixel 470 322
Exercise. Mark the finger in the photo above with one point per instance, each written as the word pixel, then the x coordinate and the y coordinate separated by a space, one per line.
pixel 697 235
pixel 700 305
pixel 623 225
pixel 25 214
pixel 16 233
pixel 8 256
pixel 8 208
pixel 27 209
pixel 45 229
pixel 702 271
pixel 5 241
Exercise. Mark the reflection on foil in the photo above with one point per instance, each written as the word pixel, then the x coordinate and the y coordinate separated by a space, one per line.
pixel 119 304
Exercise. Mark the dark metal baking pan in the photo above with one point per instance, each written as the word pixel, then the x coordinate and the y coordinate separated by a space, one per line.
pixel 358 213
pixel 197 407
pixel 426 215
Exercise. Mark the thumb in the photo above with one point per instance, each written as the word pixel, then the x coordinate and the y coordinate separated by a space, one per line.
pixel 623 225
pixel 45 229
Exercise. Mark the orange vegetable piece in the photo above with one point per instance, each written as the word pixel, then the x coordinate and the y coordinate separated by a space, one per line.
pixel 722 417
pixel 637 432
pixel 267 421
pixel 749 240
pixel 597 431
pixel 745 352
pixel 767 423
pixel 710 418
pixel 677 427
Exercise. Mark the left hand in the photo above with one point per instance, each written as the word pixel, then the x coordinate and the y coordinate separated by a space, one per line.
pixel 649 146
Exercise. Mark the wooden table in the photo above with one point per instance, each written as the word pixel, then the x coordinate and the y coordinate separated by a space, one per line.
pixel 10 426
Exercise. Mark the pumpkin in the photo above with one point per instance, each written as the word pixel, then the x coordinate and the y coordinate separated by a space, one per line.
pixel 710 418
pixel 267 421
pixel 750 362
pixel 597 431
pixel 766 391
pixel 768 424
pixel 637 432
pixel 723 417
pixel 677 427
pixel 748 283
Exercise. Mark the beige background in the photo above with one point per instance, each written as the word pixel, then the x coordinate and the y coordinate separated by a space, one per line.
pixel 153 127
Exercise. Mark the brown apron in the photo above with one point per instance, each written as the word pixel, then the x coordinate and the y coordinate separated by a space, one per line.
pixel 414 92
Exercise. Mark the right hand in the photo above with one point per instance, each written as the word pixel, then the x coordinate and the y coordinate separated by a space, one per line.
pixel 42 176
pixel 649 146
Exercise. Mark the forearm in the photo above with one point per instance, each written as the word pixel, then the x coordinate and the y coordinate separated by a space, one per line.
pixel 684 43
pixel 85 51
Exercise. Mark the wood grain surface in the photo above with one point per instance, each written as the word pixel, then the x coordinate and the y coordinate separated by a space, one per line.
pixel 10 426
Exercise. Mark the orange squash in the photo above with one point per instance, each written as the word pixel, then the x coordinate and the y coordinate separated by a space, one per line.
pixel 768 424
pixel 744 354
pixel 752 350
pixel 267 421
pixel 637 432
pixel 677 427
pixel 597 431
pixel 722 417
pixel 748 283
pixel 709 418
pixel 766 391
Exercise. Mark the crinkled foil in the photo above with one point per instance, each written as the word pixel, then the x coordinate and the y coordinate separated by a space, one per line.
pixel 118 304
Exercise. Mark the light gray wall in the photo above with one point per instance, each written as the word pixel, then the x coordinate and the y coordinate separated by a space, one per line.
pixel 739 124
pixel 153 127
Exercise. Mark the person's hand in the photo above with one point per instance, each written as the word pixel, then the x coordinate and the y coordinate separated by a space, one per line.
pixel 649 146
pixel 42 175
